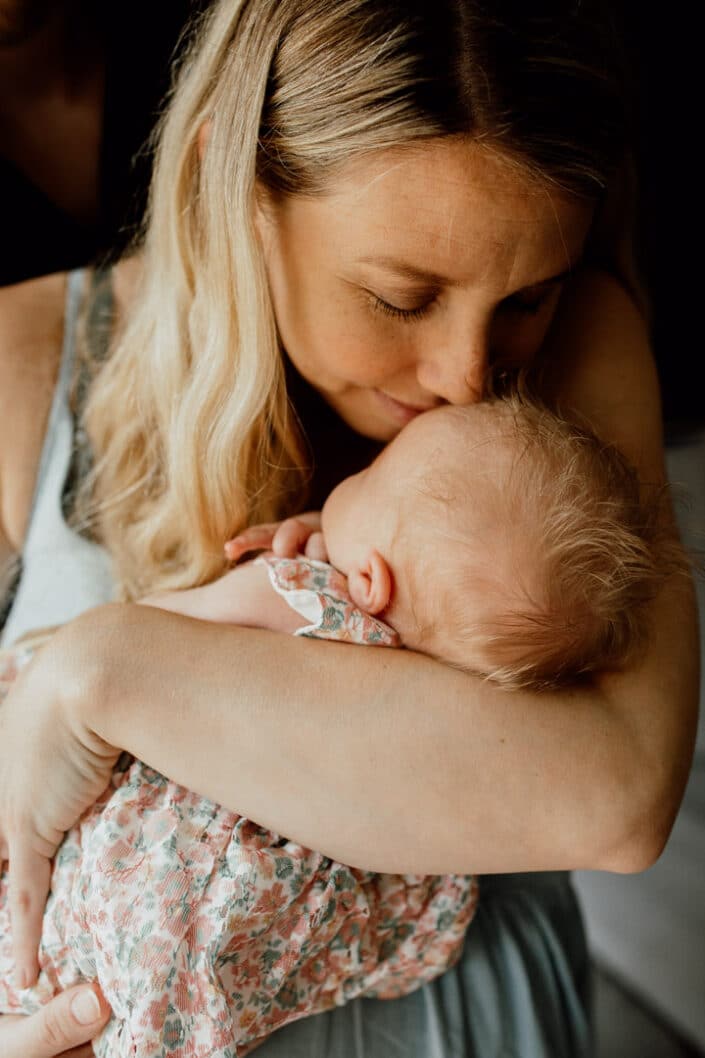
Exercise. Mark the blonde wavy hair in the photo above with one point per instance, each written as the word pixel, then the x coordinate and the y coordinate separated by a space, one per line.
pixel 189 420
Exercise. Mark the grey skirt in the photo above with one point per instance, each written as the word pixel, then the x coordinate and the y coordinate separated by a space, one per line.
pixel 520 990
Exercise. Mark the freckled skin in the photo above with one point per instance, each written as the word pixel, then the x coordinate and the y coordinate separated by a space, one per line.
pixel 457 212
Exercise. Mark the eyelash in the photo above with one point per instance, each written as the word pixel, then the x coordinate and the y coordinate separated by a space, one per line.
pixel 513 304
pixel 408 315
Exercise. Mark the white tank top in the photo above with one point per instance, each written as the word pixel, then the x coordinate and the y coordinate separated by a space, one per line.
pixel 63 573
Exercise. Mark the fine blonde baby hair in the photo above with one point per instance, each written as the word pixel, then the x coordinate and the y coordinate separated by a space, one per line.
pixel 587 548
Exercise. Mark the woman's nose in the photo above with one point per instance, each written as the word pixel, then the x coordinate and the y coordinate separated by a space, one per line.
pixel 457 373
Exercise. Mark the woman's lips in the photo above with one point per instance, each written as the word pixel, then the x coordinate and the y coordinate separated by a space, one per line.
pixel 399 410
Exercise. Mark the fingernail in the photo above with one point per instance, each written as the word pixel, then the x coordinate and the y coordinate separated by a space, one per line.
pixel 85 1007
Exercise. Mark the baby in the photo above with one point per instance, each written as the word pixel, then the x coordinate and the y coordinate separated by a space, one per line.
pixel 496 538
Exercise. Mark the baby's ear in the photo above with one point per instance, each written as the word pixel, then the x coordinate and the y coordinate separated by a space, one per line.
pixel 370 585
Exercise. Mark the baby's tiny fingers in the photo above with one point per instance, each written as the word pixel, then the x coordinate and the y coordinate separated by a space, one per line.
pixel 291 537
pixel 316 547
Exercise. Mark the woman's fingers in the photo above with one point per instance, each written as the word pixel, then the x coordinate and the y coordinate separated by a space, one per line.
pixel 8 1038
pixel 71 1019
pixel 28 881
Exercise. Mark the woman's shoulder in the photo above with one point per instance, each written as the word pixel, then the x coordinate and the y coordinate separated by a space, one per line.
pixel 31 329
pixel 599 363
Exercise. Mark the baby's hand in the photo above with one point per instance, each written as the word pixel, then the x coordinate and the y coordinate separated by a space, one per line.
pixel 294 536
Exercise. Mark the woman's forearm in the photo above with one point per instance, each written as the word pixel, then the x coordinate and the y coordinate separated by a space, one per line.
pixel 387 760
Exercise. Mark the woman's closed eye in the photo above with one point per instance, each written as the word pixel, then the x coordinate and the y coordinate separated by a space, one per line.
pixel 399 313
pixel 526 302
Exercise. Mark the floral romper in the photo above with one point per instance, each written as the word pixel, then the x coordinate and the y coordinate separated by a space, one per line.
pixel 208 932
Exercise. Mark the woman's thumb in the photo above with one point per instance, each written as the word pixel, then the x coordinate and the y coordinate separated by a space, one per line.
pixel 71 1018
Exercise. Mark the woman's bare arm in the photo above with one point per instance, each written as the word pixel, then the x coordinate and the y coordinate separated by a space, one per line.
pixel 391 761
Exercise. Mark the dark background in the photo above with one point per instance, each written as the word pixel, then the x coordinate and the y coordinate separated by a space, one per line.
pixel 661 41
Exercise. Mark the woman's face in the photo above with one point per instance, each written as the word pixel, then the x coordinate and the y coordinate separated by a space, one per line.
pixel 419 272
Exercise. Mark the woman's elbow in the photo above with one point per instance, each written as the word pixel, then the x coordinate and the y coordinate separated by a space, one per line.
pixel 639 849
pixel 652 741
pixel 647 819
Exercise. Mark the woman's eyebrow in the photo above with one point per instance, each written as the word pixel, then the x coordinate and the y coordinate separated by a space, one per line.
pixel 407 271
pixel 421 275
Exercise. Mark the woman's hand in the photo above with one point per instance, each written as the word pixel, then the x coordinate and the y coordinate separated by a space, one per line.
pixel 295 536
pixel 51 770
pixel 62 1027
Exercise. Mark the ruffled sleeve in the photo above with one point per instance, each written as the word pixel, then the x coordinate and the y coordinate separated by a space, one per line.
pixel 319 592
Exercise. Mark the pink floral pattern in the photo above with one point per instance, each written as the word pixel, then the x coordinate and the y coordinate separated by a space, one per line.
pixel 208 932
pixel 319 592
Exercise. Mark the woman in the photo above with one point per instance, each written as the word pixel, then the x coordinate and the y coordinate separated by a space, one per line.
pixel 400 197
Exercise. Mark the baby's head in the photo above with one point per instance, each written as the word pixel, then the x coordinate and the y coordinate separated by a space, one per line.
pixel 503 540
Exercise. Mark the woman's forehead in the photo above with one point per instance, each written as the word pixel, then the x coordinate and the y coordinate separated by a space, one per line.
pixel 449 209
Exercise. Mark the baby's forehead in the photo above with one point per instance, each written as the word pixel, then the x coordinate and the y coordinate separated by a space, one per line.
pixel 479 421
pixel 461 442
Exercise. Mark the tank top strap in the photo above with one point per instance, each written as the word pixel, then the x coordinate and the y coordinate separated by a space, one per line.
pixel 101 314
pixel 92 348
